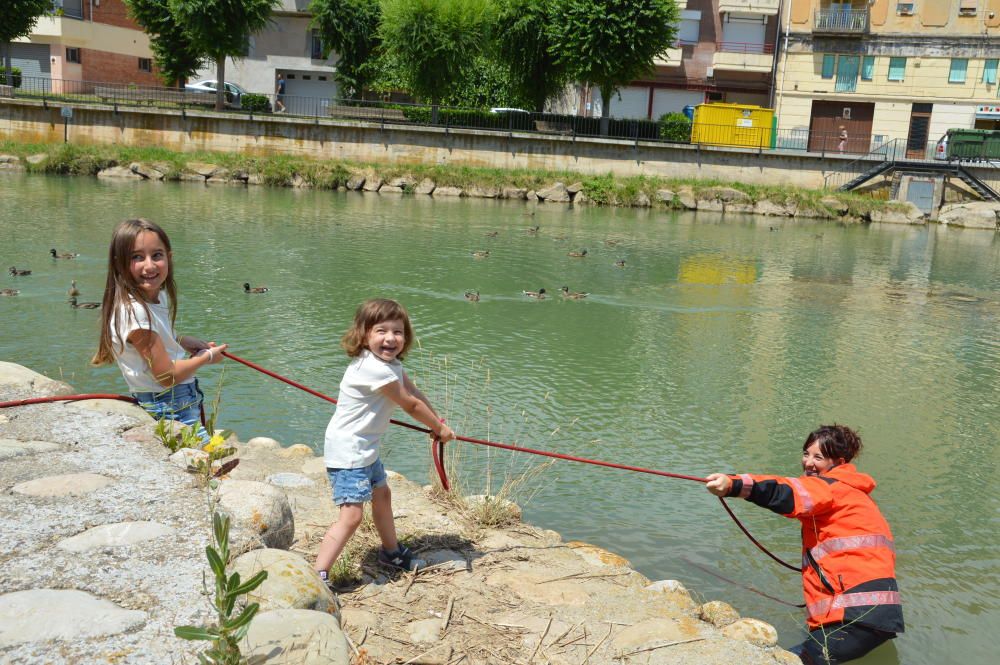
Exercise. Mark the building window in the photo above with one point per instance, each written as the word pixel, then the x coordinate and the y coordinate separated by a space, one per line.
pixel 868 68
pixel 968 7
pixel 897 69
pixel 904 8
pixel 316 46
pixel 958 68
pixel 829 65
pixel 847 73
pixel 145 64
pixel 72 54
pixel 990 71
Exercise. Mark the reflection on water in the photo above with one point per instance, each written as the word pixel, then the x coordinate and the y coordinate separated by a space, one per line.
pixel 716 347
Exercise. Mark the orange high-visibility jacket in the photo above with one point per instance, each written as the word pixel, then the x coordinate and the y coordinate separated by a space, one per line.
pixel 848 555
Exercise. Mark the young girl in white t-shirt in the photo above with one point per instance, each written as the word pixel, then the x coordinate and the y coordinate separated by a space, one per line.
pixel 137 326
pixel 373 385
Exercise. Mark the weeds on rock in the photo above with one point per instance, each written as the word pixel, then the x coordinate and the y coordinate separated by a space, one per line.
pixel 229 628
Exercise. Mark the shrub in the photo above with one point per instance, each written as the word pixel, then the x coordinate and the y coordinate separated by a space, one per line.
pixel 15 76
pixel 675 127
pixel 255 103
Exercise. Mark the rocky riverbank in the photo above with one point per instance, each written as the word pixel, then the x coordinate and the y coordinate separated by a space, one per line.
pixel 103 555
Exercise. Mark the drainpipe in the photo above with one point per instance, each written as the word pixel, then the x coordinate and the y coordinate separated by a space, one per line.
pixel 783 6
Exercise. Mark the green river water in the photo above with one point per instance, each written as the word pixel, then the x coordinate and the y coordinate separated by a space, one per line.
pixel 718 347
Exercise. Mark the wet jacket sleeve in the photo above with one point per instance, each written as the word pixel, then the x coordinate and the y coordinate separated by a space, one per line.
pixel 791 497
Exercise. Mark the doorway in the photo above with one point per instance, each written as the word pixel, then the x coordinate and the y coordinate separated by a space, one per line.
pixel 916 139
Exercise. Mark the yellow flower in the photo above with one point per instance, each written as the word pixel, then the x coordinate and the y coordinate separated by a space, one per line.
pixel 215 442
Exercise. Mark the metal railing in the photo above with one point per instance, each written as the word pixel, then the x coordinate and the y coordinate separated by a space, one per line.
pixel 841 20
pixel 889 151
pixel 744 47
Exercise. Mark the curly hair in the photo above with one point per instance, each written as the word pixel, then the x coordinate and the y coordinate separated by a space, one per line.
pixel 370 313
pixel 835 442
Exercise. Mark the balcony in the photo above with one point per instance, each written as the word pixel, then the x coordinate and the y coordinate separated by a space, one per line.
pixel 763 7
pixel 743 57
pixel 841 21
pixel 669 58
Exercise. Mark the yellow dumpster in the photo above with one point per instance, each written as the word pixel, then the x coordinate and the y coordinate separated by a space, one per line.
pixel 739 125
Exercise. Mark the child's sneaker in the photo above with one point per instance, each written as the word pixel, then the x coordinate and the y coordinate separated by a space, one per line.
pixel 402 558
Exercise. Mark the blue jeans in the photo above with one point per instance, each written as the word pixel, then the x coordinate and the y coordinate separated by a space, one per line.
pixel 181 403
pixel 356 485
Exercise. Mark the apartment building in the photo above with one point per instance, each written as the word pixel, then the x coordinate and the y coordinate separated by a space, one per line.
pixel 886 69
pixel 724 53
pixel 288 46
pixel 86 40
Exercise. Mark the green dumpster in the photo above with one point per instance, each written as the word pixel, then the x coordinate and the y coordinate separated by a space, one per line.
pixel 973 144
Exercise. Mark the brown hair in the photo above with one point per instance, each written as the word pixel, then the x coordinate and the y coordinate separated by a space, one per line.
pixel 835 442
pixel 370 313
pixel 121 287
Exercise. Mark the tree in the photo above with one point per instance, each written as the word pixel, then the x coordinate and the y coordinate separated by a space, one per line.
pixel 176 56
pixel 221 28
pixel 611 42
pixel 435 41
pixel 350 28
pixel 523 44
pixel 19 18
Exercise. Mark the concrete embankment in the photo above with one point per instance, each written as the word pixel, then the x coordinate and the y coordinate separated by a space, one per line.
pixel 103 555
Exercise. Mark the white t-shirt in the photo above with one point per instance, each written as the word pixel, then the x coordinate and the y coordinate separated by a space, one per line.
pixel 363 413
pixel 131 317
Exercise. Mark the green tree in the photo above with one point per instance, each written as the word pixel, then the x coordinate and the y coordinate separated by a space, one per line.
pixel 349 28
pixel 435 42
pixel 221 28
pixel 485 84
pixel 18 19
pixel 176 56
pixel 611 42
pixel 523 44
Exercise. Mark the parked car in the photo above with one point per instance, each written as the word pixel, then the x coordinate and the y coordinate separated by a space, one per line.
pixel 234 93
pixel 941 148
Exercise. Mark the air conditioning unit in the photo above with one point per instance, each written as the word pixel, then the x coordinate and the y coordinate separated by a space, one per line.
pixel 709 72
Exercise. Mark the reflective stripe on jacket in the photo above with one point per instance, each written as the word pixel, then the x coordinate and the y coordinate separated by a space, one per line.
pixel 848 554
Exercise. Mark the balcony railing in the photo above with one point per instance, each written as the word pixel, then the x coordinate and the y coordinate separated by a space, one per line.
pixel 744 47
pixel 843 21
pixel 765 7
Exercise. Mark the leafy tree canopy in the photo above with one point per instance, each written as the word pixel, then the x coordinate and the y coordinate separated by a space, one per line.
pixel 611 42
pixel 523 44
pixel 350 28
pixel 176 56
pixel 20 16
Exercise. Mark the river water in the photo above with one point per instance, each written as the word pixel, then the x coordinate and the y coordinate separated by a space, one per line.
pixel 717 347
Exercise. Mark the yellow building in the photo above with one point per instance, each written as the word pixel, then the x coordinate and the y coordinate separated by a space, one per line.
pixel 879 70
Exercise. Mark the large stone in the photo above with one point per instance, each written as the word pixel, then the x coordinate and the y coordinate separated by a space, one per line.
pixel 189 459
pixel 557 193
pixel 513 192
pixel 15 378
pixel 641 200
pixel 287 479
pixel 390 189
pixel 40 615
pixel 9 159
pixel 263 442
pixel 835 204
pixel 711 205
pixel 355 182
pixel 403 182
pixel 119 172
pixel 295 637
pixel 664 195
pixel 373 184
pixel 978 215
pixel 260 513
pixel 447 191
pixel 725 194
pixel 15 448
pixel 483 192
pixel 36 159
pixel 718 613
pixel 426 186
pixel 291 582
pixel 146 171
pixel 69 484
pixel 115 535
pixel 133 412
pixel 597 556
pixel 686 198
pixel 904 212
pixel 771 209
pixel 425 631
pixel 203 169
pixel 754 631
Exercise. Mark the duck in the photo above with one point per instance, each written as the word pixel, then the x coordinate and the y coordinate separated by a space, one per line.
pixel 573 295
pixel 73 291
pixel 620 263
pixel 9 292
pixel 578 255
pixel 83 305
pixel 492 234
pixel 18 273
pixel 254 289
pixel 472 296
pixel 481 254
pixel 538 295
pixel 611 242
pixel 62 255
pixel 533 230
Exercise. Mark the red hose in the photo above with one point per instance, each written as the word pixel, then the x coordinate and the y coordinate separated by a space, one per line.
pixel 65 398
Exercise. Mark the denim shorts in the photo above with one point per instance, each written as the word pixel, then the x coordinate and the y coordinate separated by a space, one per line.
pixel 181 403
pixel 356 485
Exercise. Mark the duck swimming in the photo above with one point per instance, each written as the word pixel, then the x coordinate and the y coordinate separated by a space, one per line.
pixel 18 273
pixel 533 230
pixel 9 292
pixel 62 255
pixel 538 295
pixel 481 254
pixel 620 263
pixel 83 305
pixel 254 289
pixel 73 291
pixel 492 234
pixel 575 295
pixel 472 296
pixel 578 255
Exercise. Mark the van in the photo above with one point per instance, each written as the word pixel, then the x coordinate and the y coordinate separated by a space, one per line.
pixel 941 148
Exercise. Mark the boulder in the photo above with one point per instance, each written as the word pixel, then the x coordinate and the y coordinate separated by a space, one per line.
pixel 390 189
pixel 15 379
pixel 260 513
pixel 425 186
pixel 642 200
pixel 295 637
pixel 740 208
pixel 221 177
pixel 835 204
pixel 596 556
pixel 664 196
pixel 189 459
pixel 771 209
pixel 44 615
pixel 355 182
pixel 146 171
pixel 581 198
pixel 37 159
pixel 904 212
pixel 725 194
pixel 447 191
pixel 119 172
pixel 710 205
pixel 686 198
pixel 297 181
pixel 119 534
pixel 403 182
pixel 754 631
pixel 373 184
pixel 978 215
pixel 9 159
pixel 718 613
pixel 70 484
pixel 557 193
pixel 297 450
pixel 574 188
pixel 203 169
pixel 263 442
pixel 513 192
pixel 135 413
pixel 482 192
pixel 291 582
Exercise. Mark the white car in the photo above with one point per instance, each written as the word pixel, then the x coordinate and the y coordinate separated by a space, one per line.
pixel 941 148
pixel 234 93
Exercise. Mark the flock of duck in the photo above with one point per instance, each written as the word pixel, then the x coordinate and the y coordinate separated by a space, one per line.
pixel 540 294
pixel 73 292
